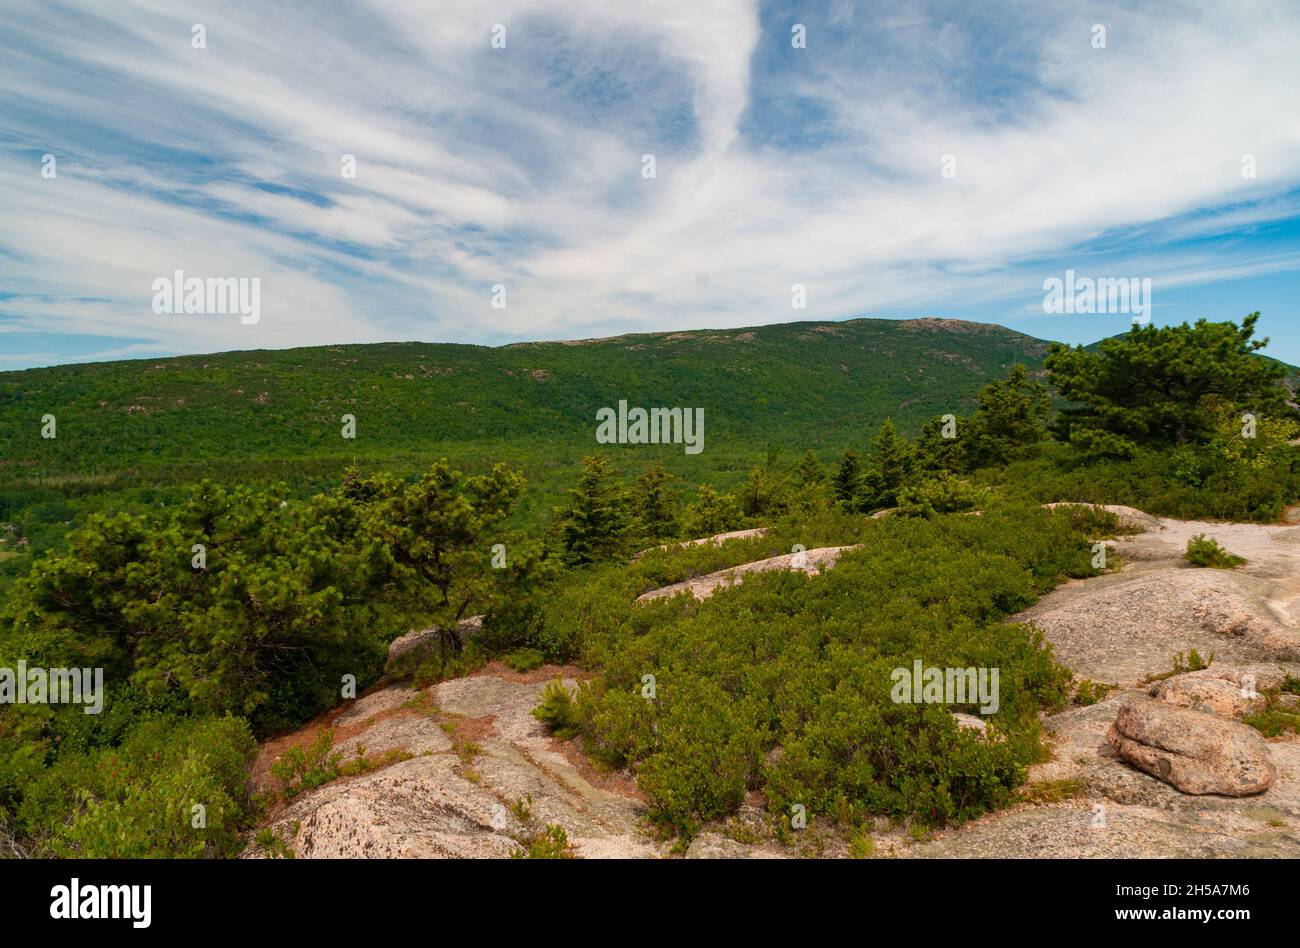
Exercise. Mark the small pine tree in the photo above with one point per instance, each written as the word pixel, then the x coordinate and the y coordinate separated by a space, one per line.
pixel 1011 419
pixel 597 523
pixel 712 513
pixel 935 453
pixel 848 481
pixel 764 493
pixel 889 467
pixel 656 504
pixel 810 470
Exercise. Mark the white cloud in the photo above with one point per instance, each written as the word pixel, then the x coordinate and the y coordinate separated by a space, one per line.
pixel 522 165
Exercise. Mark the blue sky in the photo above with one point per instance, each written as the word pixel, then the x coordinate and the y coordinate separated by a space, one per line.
pixel 522 166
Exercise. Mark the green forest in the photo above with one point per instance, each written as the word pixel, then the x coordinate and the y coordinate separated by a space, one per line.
pixel 134 434
pixel 200 530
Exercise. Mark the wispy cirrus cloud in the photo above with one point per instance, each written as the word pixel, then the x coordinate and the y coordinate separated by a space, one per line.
pixel 522 165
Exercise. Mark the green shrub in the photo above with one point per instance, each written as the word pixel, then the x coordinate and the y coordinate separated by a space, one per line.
pixel 1218 481
pixel 1193 662
pixel 139 800
pixel 1090 692
pixel 782 684
pixel 301 768
pixel 272 844
pixel 556 709
pixel 1273 721
pixel 551 843
pixel 524 659
pixel 943 493
pixel 1205 551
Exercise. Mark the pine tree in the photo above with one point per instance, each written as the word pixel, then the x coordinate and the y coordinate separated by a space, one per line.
pixel 810 470
pixel 764 493
pixel 937 453
pixel 597 522
pixel 889 467
pixel 848 481
pixel 656 505
pixel 1011 419
pixel 1161 386
pixel 712 513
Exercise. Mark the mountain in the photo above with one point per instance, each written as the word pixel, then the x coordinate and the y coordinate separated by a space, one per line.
pixel 804 384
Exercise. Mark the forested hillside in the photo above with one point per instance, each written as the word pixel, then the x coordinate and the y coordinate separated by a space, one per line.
pixel 129 433
pixel 755 384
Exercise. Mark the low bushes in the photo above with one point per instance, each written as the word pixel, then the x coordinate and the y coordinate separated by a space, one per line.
pixel 783 684
pixel 173 788
pixel 1205 551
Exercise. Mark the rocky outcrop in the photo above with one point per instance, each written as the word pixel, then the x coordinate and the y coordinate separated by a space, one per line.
pixel 1096 805
pixel 484 778
pixel 1227 692
pixel 1192 751
pixel 1093 798
pixel 716 540
pixel 810 562
pixel 1128 517
pixel 1126 626
pixel 408 647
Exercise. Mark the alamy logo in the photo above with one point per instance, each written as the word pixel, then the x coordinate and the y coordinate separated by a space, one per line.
pixel 53 686
pixel 656 426
pixel 921 685
pixel 178 294
pixel 1102 295
pixel 103 901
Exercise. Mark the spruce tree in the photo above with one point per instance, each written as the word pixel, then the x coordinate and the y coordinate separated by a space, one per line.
pixel 889 467
pixel 597 523
pixel 810 470
pixel 847 482
pixel 655 503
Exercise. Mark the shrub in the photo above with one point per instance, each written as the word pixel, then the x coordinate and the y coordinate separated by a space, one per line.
pixel 1090 692
pixel 524 659
pixel 556 709
pixel 943 493
pixel 138 800
pixel 1205 551
pixel 551 843
pixel 782 684
pixel 1274 721
pixel 306 768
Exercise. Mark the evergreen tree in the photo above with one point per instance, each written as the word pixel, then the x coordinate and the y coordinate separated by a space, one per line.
pixel 1011 419
pixel 847 481
pixel 937 453
pixel 889 467
pixel 809 469
pixel 656 505
pixel 250 602
pixel 1160 386
pixel 597 523
pixel 442 529
pixel 712 513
